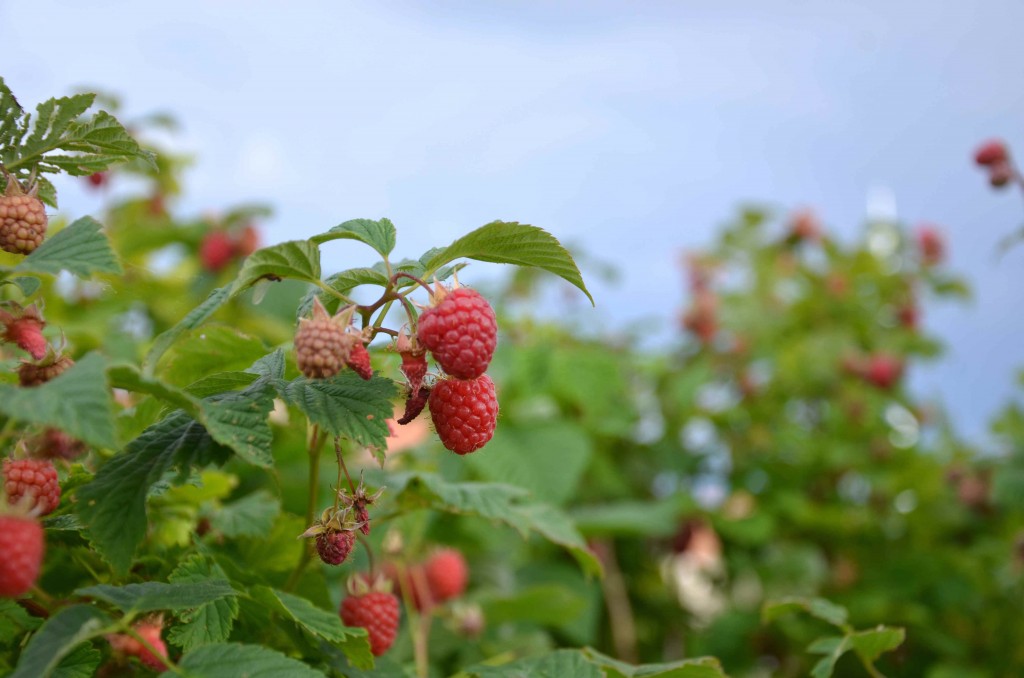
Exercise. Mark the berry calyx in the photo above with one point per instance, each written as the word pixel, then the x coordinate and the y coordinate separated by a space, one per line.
pixel 414 360
pixel 22 219
pixel 991 152
pixel 322 346
pixel 464 412
pixel 32 483
pixel 52 366
pixel 22 547
pixel 460 331
pixel 334 535
pixel 373 609
pixel 216 251
pixel 359 501
pixel 447 574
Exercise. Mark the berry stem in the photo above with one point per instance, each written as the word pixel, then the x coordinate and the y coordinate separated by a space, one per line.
pixel 342 467
pixel 410 276
pixel 369 553
pixel 418 622
pixel 316 441
pixel 333 292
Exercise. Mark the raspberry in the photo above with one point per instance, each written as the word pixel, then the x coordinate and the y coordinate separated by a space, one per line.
pixel 34 374
pixel 464 412
pixel 333 546
pixel 97 179
pixel 377 612
pixel 447 574
pixel 33 478
pixel 322 346
pixel 414 404
pixel 247 241
pixel 460 331
pixel 931 245
pixel 991 153
pixel 22 219
pixel 359 361
pixel 804 226
pixel 55 444
pixel 25 330
pixel 216 251
pixel 151 632
pixel 21 547
pixel 883 370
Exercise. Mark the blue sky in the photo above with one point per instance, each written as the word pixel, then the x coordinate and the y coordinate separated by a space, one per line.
pixel 631 128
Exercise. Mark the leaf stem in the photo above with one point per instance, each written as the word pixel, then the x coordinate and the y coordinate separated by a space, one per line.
pixel 315 442
pixel 333 292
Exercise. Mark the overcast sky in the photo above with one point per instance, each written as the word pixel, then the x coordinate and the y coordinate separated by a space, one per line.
pixel 630 128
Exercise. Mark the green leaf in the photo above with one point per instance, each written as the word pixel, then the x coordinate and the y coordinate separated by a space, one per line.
pixel 824 610
pixel 130 379
pixel 238 420
pixel 77 402
pixel 231 660
pixel 221 382
pixel 700 667
pixel 512 243
pixel 872 643
pixel 297 259
pixel 209 623
pixel 81 663
pixel 153 595
pixel 14 620
pixel 192 320
pixel 250 516
pixel 113 505
pixel 629 518
pixel 380 235
pixel 549 604
pixel 28 285
pixel 214 349
pixel 346 405
pixel 80 249
pixel 558 664
pixel 57 638
pixel 503 503
pixel 319 623
pixel 833 647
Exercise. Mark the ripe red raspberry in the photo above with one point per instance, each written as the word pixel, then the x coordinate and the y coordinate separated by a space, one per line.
pixel 97 179
pixel 21 544
pixel 377 612
pixel 33 478
pixel 333 546
pixel 931 245
pixel 322 346
pixel 359 361
pixel 25 330
pixel 34 374
pixel 447 574
pixel 414 404
pixel 991 153
pixel 883 370
pixel 464 412
pixel 22 219
pixel 216 251
pixel 460 331
pixel 151 631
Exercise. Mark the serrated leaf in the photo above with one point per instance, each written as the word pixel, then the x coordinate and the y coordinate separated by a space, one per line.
pixel 213 349
pixel 208 623
pixel 818 607
pixel 503 503
pixel 872 643
pixel 700 667
pixel 380 235
pixel 346 405
pixel 81 663
pixel 151 596
pixel 222 382
pixel 250 516
pixel 57 638
pixel 354 642
pixel 558 664
pixel 14 620
pixel 192 320
pixel 239 420
pixel 270 366
pixel 113 505
pixel 78 402
pixel 296 259
pixel 231 660
pixel 80 249
pixel 502 242
pixel 130 379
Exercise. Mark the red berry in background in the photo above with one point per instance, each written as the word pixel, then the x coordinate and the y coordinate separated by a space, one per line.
pixel 55 444
pixel 151 631
pixel 216 251
pixel 702 317
pixel 447 574
pixel 883 370
pixel 333 546
pixel 411 581
pixel 21 554
pixel 804 227
pixel 464 412
pixel 931 245
pixel 22 219
pixel 991 152
pixel 1000 174
pixel 35 479
pixel 908 315
pixel 97 179
pixel 359 361
pixel 247 241
pixel 377 612
pixel 460 331
pixel 34 374
pixel 25 328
